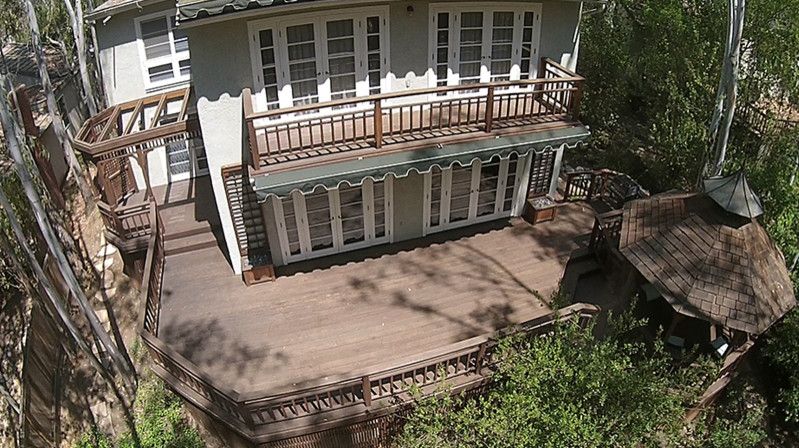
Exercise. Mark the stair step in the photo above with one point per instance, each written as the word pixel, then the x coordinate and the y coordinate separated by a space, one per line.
pixel 200 229
pixel 575 270
pixel 190 243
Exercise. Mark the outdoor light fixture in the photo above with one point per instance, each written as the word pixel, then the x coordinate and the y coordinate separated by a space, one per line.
pixel 410 10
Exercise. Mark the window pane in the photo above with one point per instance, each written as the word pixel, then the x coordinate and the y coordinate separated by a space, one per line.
pixel 155 36
pixel 160 73
pixel 373 25
pixel 185 67
pixel 472 19
pixel 339 28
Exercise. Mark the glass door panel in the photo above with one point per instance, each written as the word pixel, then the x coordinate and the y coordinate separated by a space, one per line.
pixel 374 58
pixel 351 203
pixel 460 193
pixel 379 189
pixel 292 227
pixel 471 47
pixel 510 185
pixel 488 184
pixel 436 176
pixel 341 58
pixel 269 68
pixel 303 72
pixel 501 45
pixel 320 222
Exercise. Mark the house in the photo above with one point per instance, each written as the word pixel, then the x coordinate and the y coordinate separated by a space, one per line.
pixel 18 63
pixel 324 198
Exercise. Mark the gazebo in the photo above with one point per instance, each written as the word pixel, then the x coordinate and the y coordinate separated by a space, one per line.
pixel 708 258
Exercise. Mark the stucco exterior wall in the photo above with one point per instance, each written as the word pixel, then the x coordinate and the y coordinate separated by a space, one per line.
pixel 120 59
pixel 221 68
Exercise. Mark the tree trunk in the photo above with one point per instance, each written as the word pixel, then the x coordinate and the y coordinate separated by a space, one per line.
pixel 58 304
pixel 727 93
pixel 76 19
pixel 58 123
pixel 101 89
pixel 54 245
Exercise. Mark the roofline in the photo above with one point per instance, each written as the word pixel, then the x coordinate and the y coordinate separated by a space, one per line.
pixel 302 6
pixel 125 7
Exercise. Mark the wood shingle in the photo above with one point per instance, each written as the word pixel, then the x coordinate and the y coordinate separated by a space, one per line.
pixel 707 263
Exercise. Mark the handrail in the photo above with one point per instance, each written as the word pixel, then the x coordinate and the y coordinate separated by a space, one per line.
pixel 365 390
pixel 373 121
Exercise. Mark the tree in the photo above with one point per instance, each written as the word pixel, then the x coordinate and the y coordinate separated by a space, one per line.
pixel 727 92
pixel 76 20
pixel 568 389
pixel 58 124
pixel 10 130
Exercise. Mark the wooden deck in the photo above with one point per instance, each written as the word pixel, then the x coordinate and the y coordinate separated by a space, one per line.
pixel 343 315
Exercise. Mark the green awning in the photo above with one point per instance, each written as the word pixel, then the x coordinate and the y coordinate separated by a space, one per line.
pixel 197 9
pixel 400 164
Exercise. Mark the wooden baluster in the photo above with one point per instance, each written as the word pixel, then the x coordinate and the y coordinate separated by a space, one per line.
pixel 480 359
pixel 378 124
pixel 366 389
pixel 489 112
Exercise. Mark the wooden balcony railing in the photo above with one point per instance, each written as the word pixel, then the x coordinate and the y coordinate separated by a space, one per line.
pixel 376 121
pixel 265 416
pixel 129 226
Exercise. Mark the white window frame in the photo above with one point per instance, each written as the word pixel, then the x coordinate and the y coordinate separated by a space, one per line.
pixel 334 201
pixel 174 57
pixel 488 9
pixel 278 26
pixel 517 207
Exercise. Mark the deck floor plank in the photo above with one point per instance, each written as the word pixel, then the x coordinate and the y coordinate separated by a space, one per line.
pixel 341 315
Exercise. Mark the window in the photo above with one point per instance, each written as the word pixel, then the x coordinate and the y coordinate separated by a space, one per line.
pixel 164 50
pixel 307 59
pixel 470 44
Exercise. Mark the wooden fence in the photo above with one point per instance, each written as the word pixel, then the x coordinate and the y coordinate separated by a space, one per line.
pixel 397 117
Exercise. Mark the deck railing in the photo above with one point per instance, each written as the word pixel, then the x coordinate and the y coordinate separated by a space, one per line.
pixel 153 273
pixel 609 186
pixel 399 117
pixel 380 389
pixel 127 225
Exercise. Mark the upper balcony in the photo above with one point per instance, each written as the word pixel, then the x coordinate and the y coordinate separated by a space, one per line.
pixel 411 119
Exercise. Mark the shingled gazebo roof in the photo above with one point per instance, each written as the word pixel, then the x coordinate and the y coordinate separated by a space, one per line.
pixel 707 263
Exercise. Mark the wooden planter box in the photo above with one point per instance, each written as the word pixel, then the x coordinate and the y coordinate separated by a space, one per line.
pixel 540 209
pixel 259 274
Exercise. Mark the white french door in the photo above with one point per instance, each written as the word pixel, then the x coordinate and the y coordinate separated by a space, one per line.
pixel 460 196
pixel 325 222
pixel 308 59
pixel 477 44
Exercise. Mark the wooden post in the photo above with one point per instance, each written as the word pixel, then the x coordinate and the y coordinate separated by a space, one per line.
pixel 141 157
pixel 378 124
pixel 366 388
pixel 480 359
pixel 246 98
pixel 489 114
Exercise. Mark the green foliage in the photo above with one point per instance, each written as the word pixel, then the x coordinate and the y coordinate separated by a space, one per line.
pixel 159 420
pixel 567 389
pixel 782 353
pixel 52 16
pixel 737 420
pixel 652 68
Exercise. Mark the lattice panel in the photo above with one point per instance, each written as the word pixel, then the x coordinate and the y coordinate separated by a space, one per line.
pixel 541 172
pixel 246 213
